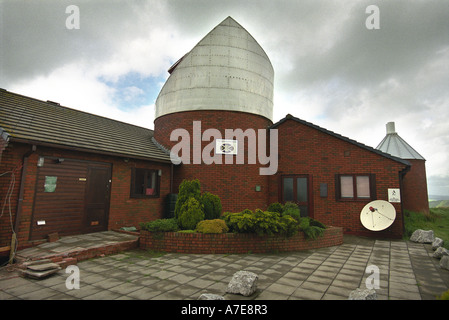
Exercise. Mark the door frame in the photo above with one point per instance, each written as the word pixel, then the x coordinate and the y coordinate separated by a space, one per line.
pixel 86 228
pixel 310 207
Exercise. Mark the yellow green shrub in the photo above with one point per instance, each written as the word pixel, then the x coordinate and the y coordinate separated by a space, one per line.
pixel 212 226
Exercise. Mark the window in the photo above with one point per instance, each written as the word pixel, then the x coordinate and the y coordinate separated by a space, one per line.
pixel 144 183
pixel 355 186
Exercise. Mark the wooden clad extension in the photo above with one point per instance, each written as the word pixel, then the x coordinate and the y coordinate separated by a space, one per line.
pixel 71 197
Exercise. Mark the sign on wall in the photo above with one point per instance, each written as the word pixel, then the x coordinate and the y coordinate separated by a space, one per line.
pixel 394 195
pixel 226 146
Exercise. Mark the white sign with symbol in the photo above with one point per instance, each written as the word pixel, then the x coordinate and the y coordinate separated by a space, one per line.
pixel 394 195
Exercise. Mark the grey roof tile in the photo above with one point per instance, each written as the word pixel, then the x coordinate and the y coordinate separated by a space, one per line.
pixel 46 122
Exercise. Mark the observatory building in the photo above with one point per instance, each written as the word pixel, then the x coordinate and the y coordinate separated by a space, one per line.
pixel 76 172
pixel 414 189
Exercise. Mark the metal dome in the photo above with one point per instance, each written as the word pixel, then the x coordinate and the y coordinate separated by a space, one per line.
pixel 226 70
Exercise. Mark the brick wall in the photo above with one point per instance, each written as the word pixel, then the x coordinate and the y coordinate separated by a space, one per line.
pixel 234 183
pixel 415 196
pixel 124 211
pixel 235 243
pixel 306 150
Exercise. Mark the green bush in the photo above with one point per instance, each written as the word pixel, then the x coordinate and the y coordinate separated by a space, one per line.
pixel 276 207
pixel 212 206
pixel 161 225
pixel 190 214
pixel 260 222
pixel 212 226
pixel 187 189
pixel 312 228
pixel 292 209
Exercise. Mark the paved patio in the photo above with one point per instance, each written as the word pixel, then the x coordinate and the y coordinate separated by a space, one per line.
pixel 407 272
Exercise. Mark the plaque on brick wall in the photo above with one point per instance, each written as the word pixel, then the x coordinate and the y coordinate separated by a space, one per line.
pixel 226 146
pixel 394 195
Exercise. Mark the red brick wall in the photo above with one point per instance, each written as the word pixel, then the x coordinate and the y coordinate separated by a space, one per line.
pixel 235 242
pixel 234 183
pixel 306 150
pixel 124 211
pixel 414 194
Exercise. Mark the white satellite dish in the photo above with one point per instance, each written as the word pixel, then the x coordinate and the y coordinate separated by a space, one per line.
pixel 378 215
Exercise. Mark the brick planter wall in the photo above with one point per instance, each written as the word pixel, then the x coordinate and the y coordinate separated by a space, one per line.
pixel 235 242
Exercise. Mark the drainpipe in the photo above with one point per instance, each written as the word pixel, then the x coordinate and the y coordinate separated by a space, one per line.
pixel 20 201
pixel 402 173
pixel 171 178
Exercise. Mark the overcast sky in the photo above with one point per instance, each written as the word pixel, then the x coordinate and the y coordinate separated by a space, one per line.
pixel 330 69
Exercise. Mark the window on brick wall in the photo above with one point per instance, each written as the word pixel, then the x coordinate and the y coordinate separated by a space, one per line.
pixel 355 186
pixel 144 183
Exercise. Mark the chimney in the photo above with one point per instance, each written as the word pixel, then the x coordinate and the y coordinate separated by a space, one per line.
pixel 390 128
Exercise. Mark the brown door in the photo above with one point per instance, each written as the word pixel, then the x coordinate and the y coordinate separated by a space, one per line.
pixel 72 197
pixel 296 188
pixel 97 199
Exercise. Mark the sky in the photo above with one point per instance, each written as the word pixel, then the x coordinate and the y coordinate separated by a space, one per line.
pixel 337 64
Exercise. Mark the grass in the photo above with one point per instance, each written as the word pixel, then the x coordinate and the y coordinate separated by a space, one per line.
pixel 437 220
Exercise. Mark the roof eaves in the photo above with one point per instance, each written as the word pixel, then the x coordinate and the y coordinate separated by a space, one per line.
pixel 91 150
pixel 338 136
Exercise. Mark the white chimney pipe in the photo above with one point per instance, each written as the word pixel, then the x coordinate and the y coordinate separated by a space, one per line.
pixel 390 128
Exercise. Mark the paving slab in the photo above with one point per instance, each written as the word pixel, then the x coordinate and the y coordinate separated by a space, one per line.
pixel 407 272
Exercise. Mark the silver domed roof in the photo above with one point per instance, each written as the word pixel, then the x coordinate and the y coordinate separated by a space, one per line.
pixel 396 146
pixel 226 70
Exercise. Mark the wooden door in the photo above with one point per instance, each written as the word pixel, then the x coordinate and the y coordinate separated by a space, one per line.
pixel 71 197
pixel 97 199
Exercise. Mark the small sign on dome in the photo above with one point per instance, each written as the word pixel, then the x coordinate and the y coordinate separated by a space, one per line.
pixel 226 146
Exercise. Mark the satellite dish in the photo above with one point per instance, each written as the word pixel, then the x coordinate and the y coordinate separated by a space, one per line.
pixel 378 215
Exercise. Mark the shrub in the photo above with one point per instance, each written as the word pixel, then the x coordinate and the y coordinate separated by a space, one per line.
pixel 316 223
pixel 292 209
pixel 212 206
pixel 160 225
pixel 212 226
pixel 187 189
pixel 311 228
pixel 260 222
pixel 276 207
pixel 190 214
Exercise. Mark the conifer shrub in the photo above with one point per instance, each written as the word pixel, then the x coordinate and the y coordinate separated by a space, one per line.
pixel 212 226
pixel 212 206
pixel 190 214
pixel 187 189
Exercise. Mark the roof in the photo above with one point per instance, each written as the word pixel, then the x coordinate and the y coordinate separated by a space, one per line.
pixel 38 122
pixel 225 70
pixel 338 136
pixel 396 146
